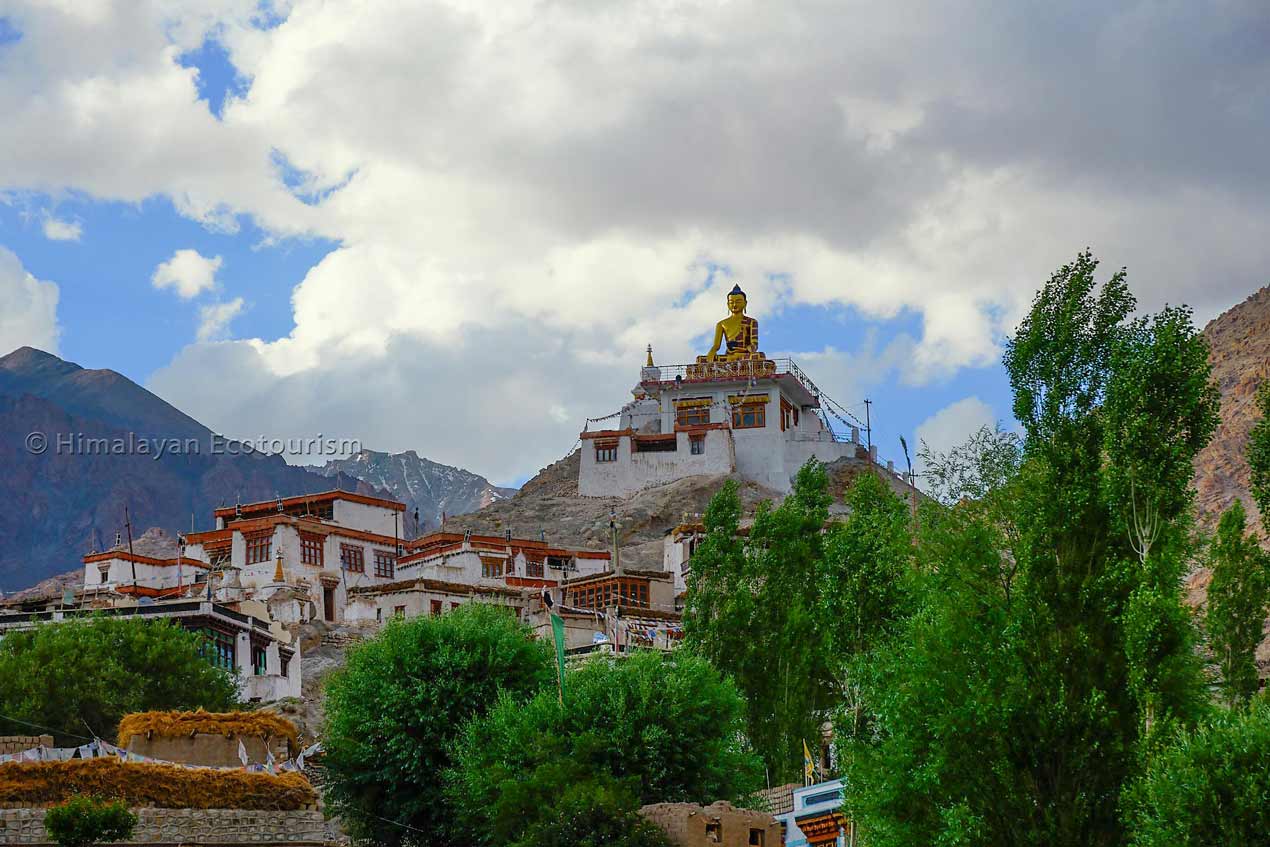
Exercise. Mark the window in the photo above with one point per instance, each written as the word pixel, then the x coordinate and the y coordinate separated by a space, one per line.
pixel 655 444
pixel 398 611
pixel 606 452
pixel 311 549
pixel 749 416
pixel 259 660
pixel 533 567
pixel 453 605
pixel 694 415
pixel 714 832
pixel 379 614
pixel 491 568
pixel 353 558
pixel 756 837
pixel 697 444
pixel 258 547
pixel 385 563
pixel 218 647
pixel 435 607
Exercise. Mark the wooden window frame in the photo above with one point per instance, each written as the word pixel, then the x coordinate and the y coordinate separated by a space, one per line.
pixel 758 412
pixel 488 566
pixel 605 453
pixel 385 564
pixel 353 558
pixel 259 547
pixel 697 445
pixel 436 607
pixel 312 549
pixel 534 568
pixel 692 416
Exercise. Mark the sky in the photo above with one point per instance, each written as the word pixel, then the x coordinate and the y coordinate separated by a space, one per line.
pixel 455 227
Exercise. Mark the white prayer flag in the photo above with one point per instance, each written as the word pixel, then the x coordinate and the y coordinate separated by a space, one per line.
pixel 269 761
pixel 242 753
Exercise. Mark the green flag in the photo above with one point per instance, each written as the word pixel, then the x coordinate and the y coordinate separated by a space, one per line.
pixel 557 630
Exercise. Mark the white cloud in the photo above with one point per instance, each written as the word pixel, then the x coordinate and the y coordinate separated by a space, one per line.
pixel 953 424
pixel 189 272
pixel 214 319
pixel 571 172
pixel 29 313
pixel 59 230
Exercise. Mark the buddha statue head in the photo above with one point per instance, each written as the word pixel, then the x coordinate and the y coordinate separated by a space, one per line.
pixel 736 300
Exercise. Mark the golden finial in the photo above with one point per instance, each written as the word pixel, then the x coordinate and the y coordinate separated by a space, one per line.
pixel 277 569
pixel 649 363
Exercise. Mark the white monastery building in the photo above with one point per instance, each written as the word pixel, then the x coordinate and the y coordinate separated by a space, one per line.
pixel 734 411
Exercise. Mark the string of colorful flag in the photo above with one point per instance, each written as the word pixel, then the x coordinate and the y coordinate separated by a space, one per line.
pixel 97 748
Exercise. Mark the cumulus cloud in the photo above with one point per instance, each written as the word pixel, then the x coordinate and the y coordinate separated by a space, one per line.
pixel 578 173
pixel 214 318
pixel 953 424
pixel 29 316
pixel 189 272
pixel 60 230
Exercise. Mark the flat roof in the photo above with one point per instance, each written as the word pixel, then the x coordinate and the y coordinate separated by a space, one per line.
pixel 302 499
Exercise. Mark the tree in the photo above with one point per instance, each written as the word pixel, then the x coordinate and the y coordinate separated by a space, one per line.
pixel 393 711
pixel 1207 787
pixel 88 673
pixel 971 470
pixel 648 727
pixel 1049 646
pixel 590 814
pixel 1259 456
pixel 82 821
pixel 1238 602
pixel 755 610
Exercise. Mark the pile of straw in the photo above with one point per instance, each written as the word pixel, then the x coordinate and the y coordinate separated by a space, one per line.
pixel 184 724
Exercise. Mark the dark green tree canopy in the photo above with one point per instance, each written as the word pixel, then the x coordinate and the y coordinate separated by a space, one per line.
pixel 1238 602
pixel 649 727
pixel 394 709
pixel 90 672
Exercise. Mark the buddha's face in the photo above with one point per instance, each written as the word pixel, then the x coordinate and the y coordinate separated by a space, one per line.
pixel 736 303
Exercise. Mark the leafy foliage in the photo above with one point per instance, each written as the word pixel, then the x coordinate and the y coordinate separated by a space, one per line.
pixel 1048 644
pixel 89 673
pixel 1259 456
pixel 971 470
pixel 1238 602
pixel 394 709
pixel 649 727
pixel 1209 787
pixel 82 821
pixel 588 814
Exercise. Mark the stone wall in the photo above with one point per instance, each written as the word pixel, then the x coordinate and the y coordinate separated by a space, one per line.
pixel 18 743
pixel 188 826
pixel 721 823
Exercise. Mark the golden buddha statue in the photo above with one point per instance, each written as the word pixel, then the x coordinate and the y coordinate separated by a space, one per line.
pixel 737 337
pixel 737 333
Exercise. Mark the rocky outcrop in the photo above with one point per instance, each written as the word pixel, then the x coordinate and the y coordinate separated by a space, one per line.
pixel 1240 342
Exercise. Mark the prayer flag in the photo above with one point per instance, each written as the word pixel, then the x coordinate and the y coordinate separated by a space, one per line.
pixel 242 753
pixel 809 765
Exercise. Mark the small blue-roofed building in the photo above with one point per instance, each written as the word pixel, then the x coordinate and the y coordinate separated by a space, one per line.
pixel 817 819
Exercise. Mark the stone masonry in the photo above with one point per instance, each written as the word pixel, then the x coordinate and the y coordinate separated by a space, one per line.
pixel 720 823
pixel 18 743
pixel 188 826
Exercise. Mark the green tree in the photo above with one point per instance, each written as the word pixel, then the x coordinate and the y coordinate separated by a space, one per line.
pixel 755 610
pixel 983 463
pixel 587 814
pixel 394 710
pixel 82 821
pixel 649 727
pixel 90 672
pixel 1259 456
pixel 1238 602
pixel 1049 634
pixel 1208 787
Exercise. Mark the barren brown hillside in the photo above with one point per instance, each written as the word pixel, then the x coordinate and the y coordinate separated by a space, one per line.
pixel 1240 340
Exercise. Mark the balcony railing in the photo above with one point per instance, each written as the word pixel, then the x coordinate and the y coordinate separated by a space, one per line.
pixel 741 369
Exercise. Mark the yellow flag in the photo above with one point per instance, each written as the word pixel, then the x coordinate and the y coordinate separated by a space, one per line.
pixel 809 765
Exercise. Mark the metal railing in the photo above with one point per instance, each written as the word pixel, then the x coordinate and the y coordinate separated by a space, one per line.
pixel 740 369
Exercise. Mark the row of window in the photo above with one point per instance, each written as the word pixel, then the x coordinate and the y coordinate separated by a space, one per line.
pixel 696 446
pixel 625 592
pixel 352 556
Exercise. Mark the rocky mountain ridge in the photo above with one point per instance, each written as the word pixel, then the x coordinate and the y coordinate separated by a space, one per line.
pixel 430 487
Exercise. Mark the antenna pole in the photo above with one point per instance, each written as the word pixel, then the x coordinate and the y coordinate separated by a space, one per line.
pixel 868 426
pixel 127 522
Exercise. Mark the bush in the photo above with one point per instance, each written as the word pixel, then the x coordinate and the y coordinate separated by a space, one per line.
pixel 656 728
pixel 82 821
pixel 89 673
pixel 1210 787
pixel 590 814
pixel 403 696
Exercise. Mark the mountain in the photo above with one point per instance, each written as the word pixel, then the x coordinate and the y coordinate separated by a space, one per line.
pixel 69 497
pixel 421 484
pixel 1240 343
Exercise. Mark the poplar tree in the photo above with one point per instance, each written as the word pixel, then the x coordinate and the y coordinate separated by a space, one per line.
pixel 1238 601
pixel 1259 456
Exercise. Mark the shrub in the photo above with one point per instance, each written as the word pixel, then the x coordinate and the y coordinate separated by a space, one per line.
pixel 82 821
